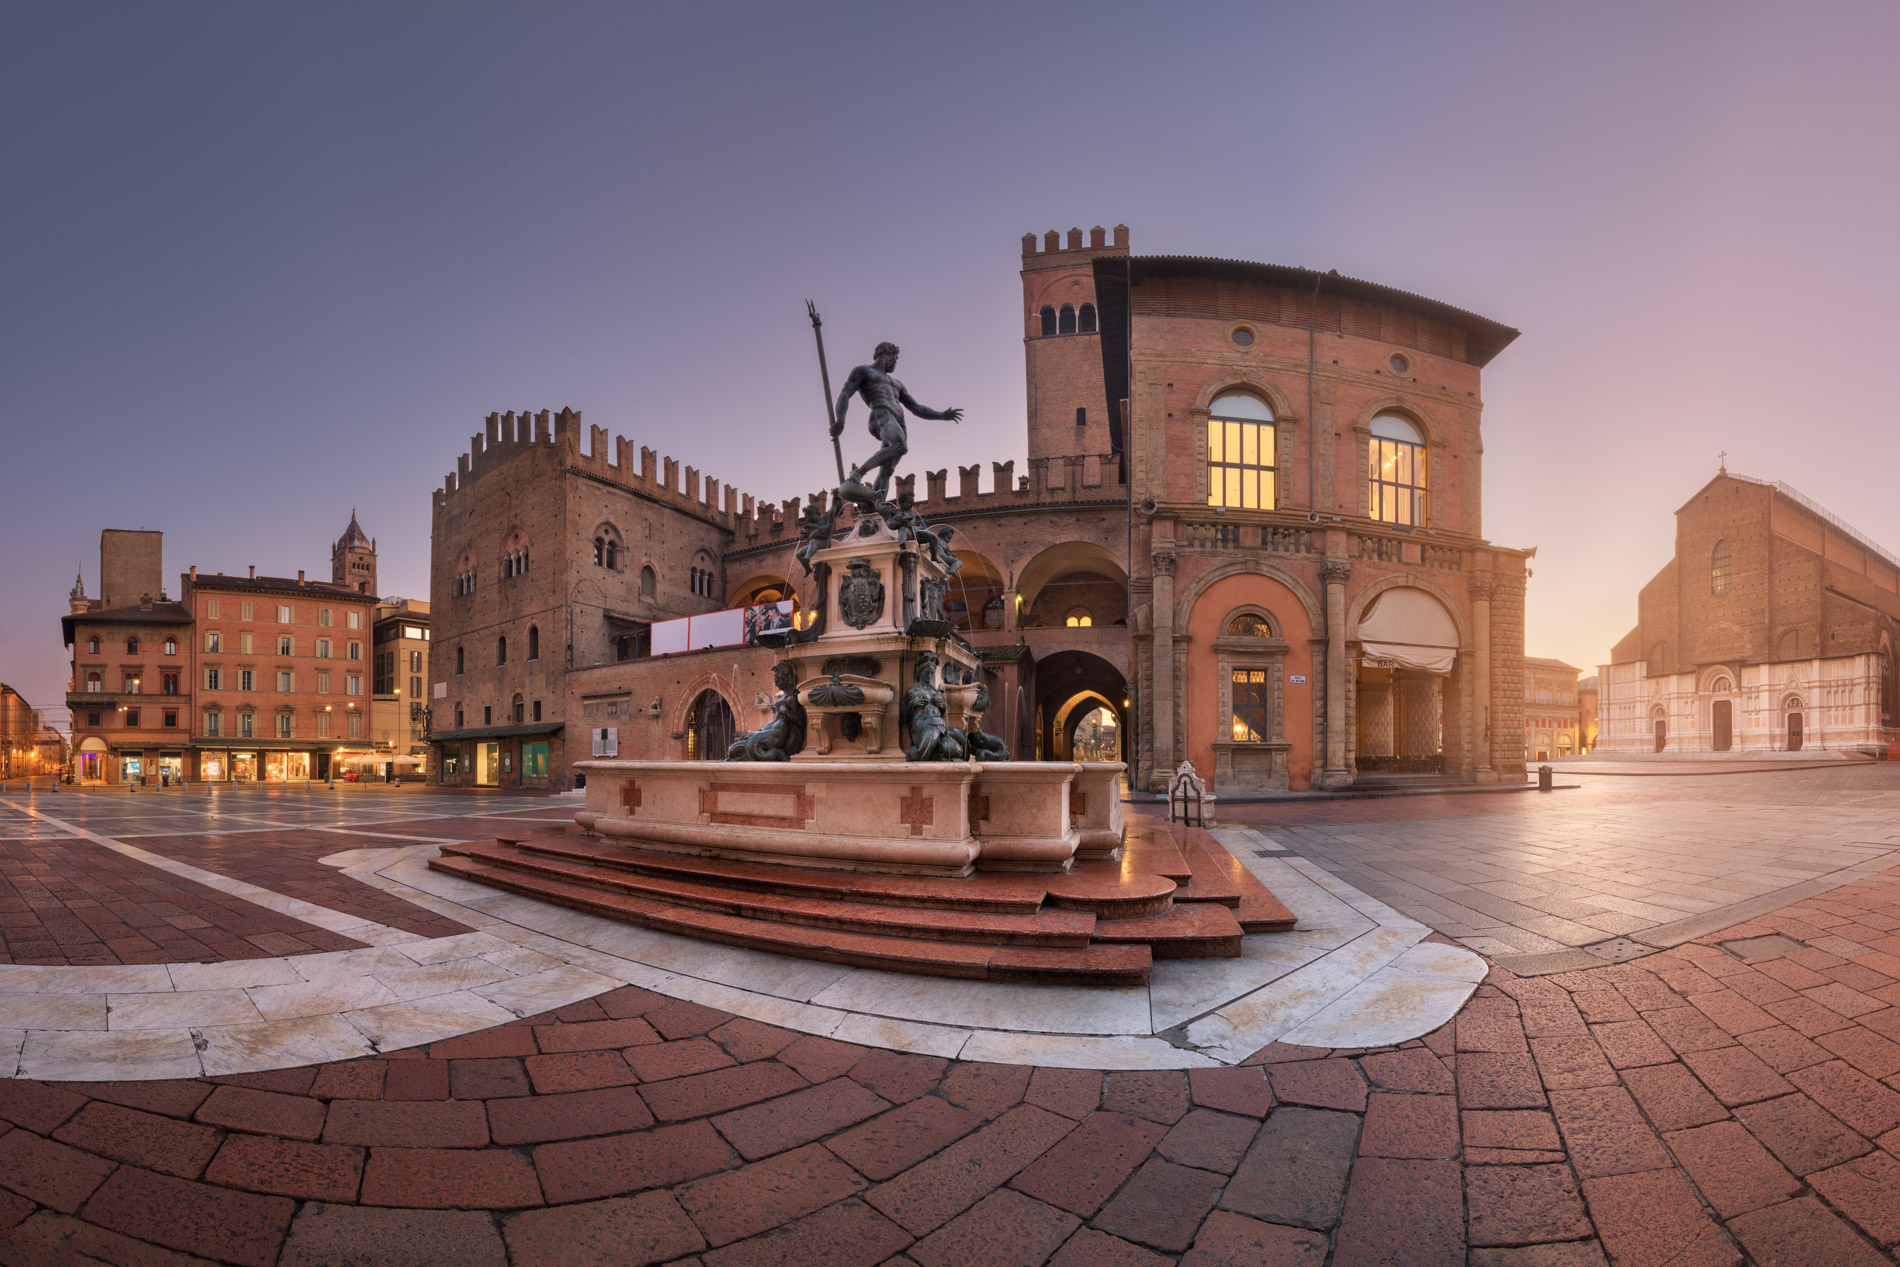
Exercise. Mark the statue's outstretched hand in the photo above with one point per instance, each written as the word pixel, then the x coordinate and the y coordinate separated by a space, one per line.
pixel 953 415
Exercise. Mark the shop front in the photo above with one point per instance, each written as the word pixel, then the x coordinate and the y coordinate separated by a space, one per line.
pixel 91 761
pixel 497 756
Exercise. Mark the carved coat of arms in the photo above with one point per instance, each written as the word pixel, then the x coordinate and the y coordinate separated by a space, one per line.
pixel 860 594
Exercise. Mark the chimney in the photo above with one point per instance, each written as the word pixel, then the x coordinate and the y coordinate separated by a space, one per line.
pixel 145 602
pixel 300 576
pixel 194 572
pixel 253 571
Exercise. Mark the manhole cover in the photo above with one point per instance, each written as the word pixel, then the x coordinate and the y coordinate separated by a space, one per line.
pixel 1620 950
pixel 1761 947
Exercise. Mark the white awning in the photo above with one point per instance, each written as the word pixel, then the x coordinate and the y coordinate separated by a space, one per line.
pixel 1409 629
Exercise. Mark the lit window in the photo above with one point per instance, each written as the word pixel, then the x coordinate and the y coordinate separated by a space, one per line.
pixel 1248 625
pixel 1240 453
pixel 1395 472
pixel 1720 572
pixel 1079 619
pixel 1250 706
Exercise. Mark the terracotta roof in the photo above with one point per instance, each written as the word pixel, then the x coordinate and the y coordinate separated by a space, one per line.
pixel 277 585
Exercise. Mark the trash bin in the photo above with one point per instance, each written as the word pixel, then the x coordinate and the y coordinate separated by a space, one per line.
pixel 1543 778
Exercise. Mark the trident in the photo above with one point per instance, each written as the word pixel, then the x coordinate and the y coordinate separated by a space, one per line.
pixel 831 418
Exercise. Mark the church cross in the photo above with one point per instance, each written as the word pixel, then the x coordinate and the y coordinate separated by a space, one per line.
pixel 630 796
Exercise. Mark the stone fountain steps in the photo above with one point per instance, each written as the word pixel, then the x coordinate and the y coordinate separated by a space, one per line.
pixel 1046 927
pixel 1081 965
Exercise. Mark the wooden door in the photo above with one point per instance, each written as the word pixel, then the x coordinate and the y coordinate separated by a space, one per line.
pixel 1794 732
pixel 1662 734
pixel 1722 713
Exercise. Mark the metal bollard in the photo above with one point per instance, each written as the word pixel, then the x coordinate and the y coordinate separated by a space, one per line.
pixel 1543 778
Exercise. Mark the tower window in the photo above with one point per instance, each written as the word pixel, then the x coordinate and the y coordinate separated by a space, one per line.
pixel 1065 320
pixel 1081 416
pixel 1395 472
pixel 1048 320
pixel 1087 313
pixel 1721 574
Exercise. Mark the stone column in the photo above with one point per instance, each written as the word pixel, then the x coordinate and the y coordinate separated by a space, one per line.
pixel 1483 586
pixel 1012 619
pixel 1161 657
pixel 1333 574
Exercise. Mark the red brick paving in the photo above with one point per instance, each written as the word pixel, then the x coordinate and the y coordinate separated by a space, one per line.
pixel 66 901
pixel 1631 1114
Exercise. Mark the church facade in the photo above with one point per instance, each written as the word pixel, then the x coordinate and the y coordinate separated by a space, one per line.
pixel 1772 629
pixel 1248 534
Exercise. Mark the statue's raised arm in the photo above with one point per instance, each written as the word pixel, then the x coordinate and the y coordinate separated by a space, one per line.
pixel 887 399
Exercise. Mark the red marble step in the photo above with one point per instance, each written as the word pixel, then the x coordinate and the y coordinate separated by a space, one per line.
pixel 1187 930
pixel 1092 965
pixel 1212 882
pixel 1262 912
pixel 986 891
pixel 1043 928
pixel 1110 892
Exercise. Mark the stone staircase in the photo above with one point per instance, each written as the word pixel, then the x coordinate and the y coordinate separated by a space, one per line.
pixel 1176 893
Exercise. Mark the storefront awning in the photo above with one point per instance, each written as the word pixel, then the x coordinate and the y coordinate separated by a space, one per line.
pixel 497 732
pixel 1409 629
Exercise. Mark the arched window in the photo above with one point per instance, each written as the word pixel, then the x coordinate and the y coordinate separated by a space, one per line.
pixel 501 650
pixel 649 583
pixel 1065 320
pixel 613 556
pixel 1079 618
pixel 1241 452
pixel 1048 320
pixel 534 642
pixel 171 646
pixel 1720 686
pixel 1087 319
pixel 132 646
pixel 708 728
pixel 1249 625
pixel 1720 573
pixel 1395 472
pixel 607 548
pixel 94 684
pixel 92 645
pixel 600 552
pixel 520 710
pixel 458 660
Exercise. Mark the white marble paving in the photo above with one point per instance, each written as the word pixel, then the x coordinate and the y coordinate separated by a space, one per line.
pixel 1355 973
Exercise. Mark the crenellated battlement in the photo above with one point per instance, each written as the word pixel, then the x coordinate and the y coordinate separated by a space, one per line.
pixel 606 456
pixel 1053 245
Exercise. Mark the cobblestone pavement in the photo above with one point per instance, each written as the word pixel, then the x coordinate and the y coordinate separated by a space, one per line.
pixel 1689 1108
pixel 1732 1099
pixel 1528 878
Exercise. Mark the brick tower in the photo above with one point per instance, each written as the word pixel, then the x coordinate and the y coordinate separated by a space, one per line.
pixel 1062 342
pixel 353 559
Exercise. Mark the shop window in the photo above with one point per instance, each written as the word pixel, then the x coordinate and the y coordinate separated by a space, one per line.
pixel 1241 453
pixel 1720 571
pixel 534 760
pixel 1395 472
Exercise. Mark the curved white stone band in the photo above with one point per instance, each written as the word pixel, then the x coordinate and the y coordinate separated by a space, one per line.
pixel 1355 974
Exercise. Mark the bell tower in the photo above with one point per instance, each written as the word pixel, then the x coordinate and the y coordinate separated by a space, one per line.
pixel 353 559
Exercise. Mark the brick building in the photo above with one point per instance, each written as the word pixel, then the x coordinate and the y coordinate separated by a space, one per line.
pixel 1772 629
pixel 1587 713
pixel 240 679
pixel 1553 709
pixel 1324 611
pixel 399 686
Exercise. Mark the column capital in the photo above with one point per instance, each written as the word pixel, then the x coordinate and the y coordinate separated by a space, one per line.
pixel 1335 571
pixel 1483 586
pixel 1163 562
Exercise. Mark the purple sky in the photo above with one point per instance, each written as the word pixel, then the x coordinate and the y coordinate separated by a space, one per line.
pixel 264 263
